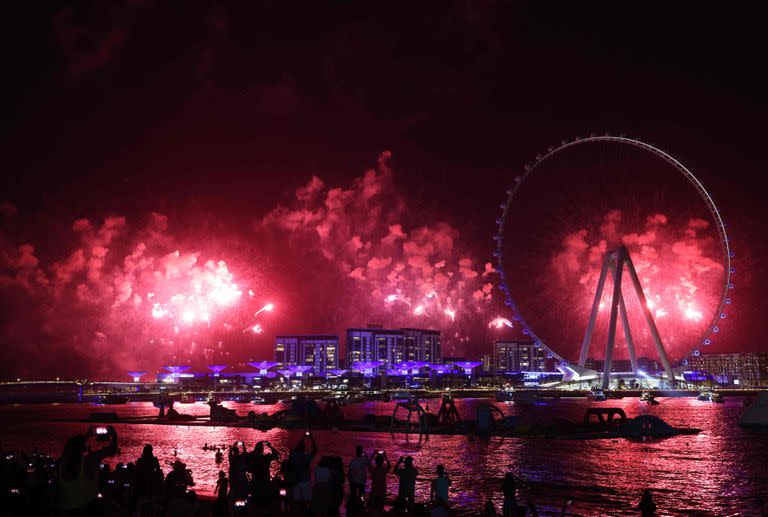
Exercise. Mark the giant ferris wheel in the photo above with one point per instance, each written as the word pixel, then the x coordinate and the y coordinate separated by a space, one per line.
pixel 614 260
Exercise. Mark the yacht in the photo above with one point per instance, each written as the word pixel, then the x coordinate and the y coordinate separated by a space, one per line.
pixel 708 395
pixel 597 395
pixel 648 397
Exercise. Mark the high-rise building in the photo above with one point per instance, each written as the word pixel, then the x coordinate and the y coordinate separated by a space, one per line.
pixel 392 346
pixel 321 352
pixel 518 356
pixel 741 369
pixel 421 345
pixel 488 362
pixel 374 344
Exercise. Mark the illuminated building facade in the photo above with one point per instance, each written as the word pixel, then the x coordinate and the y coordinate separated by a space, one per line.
pixel 374 344
pixel 392 347
pixel 421 345
pixel 319 352
pixel 744 369
pixel 518 356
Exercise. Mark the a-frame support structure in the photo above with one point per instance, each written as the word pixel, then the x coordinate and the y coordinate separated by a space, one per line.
pixel 614 263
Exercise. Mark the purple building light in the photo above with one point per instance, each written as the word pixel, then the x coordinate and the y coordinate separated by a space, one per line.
pixel 264 367
pixel 440 369
pixel 468 366
pixel 217 368
pixel 410 367
pixel 337 372
pixel 175 370
pixel 136 375
pixel 366 367
pixel 298 371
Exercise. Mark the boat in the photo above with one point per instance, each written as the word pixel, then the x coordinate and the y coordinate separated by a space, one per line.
pixel 258 400
pixel 756 413
pixel 648 397
pixel 336 396
pixel 113 399
pixel 505 395
pixel 597 395
pixel 187 399
pixel 708 395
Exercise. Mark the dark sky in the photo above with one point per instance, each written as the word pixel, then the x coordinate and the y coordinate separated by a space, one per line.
pixel 128 107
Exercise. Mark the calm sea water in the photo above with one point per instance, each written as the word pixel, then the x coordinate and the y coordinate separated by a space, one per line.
pixel 721 471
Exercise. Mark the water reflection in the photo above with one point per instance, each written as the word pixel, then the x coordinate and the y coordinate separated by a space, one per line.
pixel 720 471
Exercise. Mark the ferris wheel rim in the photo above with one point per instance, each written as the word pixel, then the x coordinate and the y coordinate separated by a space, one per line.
pixel 703 193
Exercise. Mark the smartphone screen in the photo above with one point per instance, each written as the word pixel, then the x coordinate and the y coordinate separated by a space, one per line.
pixel 101 431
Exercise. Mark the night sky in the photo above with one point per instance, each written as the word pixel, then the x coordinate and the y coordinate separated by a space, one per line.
pixel 217 116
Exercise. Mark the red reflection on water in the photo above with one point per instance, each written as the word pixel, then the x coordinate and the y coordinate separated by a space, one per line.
pixel 717 471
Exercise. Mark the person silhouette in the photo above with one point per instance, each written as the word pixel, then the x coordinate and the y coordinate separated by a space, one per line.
pixel 439 486
pixel 406 489
pixel 358 472
pixel 509 489
pixel 646 506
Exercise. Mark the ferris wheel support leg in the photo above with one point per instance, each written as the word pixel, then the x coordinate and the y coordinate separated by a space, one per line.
pixel 651 324
pixel 618 268
pixel 593 316
pixel 628 335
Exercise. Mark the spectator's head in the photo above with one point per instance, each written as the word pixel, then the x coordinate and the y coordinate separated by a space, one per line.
pixel 409 462
pixel 379 460
pixel 147 452
pixel 300 446
pixel 489 508
pixel 375 502
pixel 72 456
pixel 222 475
pixel 359 450
pixel 259 448
pixel 440 470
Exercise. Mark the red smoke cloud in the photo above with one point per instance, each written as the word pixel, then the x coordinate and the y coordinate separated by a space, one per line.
pixel 91 312
pixel 679 264
pixel 135 297
pixel 360 246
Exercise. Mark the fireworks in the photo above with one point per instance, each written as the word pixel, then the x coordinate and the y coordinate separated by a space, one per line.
pixel 499 322
pixel 450 313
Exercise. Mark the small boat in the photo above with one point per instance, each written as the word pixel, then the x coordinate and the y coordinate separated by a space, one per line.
pixel 187 399
pixel 113 399
pixel 505 395
pixel 756 412
pixel 708 395
pixel 258 400
pixel 336 396
pixel 648 397
pixel 597 395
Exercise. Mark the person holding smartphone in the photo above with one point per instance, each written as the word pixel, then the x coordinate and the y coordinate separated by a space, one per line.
pixel 358 473
pixel 406 488
pixel 379 467
pixel 301 465
pixel 79 468
pixel 259 466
